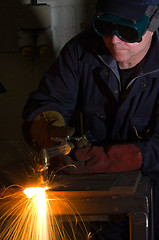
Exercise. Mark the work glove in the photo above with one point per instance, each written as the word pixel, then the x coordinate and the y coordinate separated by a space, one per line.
pixel 48 130
pixel 114 158
pixel 45 128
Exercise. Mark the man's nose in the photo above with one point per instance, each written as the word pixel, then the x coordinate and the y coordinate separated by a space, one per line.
pixel 115 39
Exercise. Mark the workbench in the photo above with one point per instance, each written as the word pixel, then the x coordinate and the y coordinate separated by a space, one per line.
pixel 97 196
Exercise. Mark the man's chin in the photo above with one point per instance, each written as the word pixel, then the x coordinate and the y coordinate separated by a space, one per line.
pixel 119 58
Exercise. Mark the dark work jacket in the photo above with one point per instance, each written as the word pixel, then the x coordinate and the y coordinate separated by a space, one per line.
pixel 86 77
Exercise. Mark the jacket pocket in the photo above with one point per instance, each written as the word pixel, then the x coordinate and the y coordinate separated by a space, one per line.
pixel 140 126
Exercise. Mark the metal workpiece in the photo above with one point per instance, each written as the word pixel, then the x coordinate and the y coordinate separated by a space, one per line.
pixel 99 196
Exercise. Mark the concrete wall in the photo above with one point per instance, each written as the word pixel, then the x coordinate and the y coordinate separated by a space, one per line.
pixel 19 74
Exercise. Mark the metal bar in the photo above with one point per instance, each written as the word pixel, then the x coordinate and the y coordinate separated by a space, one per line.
pixel 139 226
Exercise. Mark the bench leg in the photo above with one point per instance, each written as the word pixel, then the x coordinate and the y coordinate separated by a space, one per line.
pixel 139 226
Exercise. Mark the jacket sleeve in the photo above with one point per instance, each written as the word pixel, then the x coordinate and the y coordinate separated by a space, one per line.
pixel 58 89
pixel 149 146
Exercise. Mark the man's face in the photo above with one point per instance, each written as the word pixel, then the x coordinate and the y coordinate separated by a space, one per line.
pixel 128 54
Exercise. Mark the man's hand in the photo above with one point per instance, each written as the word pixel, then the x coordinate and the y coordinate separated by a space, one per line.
pixel 115 158
pixel 48 130
pixel 43 130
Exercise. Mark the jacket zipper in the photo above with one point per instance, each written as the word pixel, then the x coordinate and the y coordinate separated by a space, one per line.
pixel 111 70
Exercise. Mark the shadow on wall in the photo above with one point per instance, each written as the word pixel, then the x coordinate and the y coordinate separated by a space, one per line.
pixel 69 18
pixel 88 11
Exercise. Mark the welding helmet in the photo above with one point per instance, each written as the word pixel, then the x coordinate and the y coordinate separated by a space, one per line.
pixel 128 20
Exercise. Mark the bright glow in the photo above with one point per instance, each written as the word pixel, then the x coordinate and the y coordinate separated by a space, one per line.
pixel 35 214
pixel 39 192
pixel 40 211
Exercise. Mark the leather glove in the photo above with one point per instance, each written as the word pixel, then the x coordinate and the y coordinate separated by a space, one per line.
pixel 43 130
pixel 114 158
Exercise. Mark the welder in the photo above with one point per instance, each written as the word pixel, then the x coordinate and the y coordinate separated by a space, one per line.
pixel 109 74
